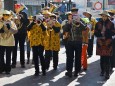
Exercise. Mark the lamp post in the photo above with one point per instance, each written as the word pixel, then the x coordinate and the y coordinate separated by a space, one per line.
pixel 103 4
pixel 45 3
pixel 69 5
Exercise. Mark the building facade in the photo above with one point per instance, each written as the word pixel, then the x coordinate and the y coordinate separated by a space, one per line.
pixel 35 6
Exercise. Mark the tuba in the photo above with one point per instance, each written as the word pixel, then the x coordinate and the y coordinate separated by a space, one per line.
pixel 52 8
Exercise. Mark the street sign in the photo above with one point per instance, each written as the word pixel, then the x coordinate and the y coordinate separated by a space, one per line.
pixel 98 5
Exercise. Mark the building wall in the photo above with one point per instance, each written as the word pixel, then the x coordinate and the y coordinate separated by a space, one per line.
pixel 1 4
pixel 34 6
pixel 9 4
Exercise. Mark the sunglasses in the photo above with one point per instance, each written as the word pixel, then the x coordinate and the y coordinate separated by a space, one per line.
pixel 5 14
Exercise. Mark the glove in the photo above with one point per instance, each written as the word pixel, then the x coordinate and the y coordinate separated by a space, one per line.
pixel 32 23
pixel 30 26
pixel 1 30
pixel 8 26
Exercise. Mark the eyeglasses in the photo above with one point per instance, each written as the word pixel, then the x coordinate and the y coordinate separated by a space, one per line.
pixel 5 14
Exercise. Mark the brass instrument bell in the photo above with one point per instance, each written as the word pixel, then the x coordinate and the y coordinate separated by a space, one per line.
pixel 52 8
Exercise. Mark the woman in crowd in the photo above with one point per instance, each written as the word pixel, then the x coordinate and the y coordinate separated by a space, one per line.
pixel 104 32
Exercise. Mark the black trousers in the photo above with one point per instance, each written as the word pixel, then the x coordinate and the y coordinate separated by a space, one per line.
pixel 105 64
pixel 38 54
pixel 19 38
pixel 90 46
pixel 28 49
pixel 48 55
pixel 5 65
pixel 73 50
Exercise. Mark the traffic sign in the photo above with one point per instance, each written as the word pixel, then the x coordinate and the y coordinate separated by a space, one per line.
pixel 98 5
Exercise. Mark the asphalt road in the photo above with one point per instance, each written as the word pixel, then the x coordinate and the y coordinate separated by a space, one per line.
pixel 24 76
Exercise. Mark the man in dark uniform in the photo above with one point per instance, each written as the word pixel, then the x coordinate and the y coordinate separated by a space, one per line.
pixel 73 33
pixel 20 36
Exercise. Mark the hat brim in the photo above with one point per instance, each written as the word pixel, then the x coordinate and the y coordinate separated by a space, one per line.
pixel 111 11
pixel 74 10
pixel 87 13
pixel 68 13
pixel 7 12
pixel 54 16
pixel 104 14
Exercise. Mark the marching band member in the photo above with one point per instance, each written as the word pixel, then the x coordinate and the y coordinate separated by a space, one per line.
pixel 91 32
pixel 2 69
pixel 74 43
pixel 7 41
pixel 21 35
pixel 46 15
pixel 85 44
pixel 52 42
pixel 36 32
pixel 28 42
pixel 64 23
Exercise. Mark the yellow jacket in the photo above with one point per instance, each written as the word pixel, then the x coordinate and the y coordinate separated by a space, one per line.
pixel 35 35
pixel 52 38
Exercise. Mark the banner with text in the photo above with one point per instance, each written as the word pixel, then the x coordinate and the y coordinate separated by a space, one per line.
pixel 111 2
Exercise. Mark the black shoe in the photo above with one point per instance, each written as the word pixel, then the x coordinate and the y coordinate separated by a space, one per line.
pixel 102 74
pixel 7 73
pixel 44 73
pixel 55 68
pixel 47 68
pixel 69 74
pixel 32 62
pixel 13 66
pixel 1 71
pixel 111 69
pixel 107 76
pixel 75 74
pixel 28 61
pixel 36 74
pixel 22 66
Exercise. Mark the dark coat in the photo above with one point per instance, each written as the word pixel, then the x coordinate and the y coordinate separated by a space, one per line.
pixel 104 46
pixel 24 21
pixel 109 28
